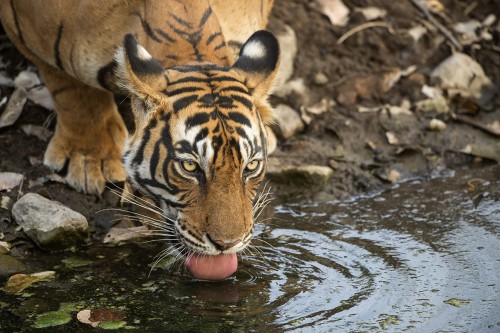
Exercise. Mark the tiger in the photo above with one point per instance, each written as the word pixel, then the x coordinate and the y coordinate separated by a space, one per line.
pixel 200 109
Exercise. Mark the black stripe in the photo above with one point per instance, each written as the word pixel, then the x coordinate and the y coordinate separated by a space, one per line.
pixel 197 120
pixel 240 89
pixel 220 46
pixel 57 45
pixel 205 79
pixel 184 102
pixel 241 132
pixel 245 101
pixel 183 90
pixel 240 118
pixel 147 29
pixel 165 35
pixel 205 17
pixel 200 136
pixel 182 21
pixel 212 37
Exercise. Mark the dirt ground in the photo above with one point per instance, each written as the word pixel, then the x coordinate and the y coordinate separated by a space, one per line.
pixel 351 135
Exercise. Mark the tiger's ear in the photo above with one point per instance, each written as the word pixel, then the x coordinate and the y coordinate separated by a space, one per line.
pixel 258 62
pixel 138 72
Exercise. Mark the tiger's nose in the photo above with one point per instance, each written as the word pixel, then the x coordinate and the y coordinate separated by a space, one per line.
pixel 224 245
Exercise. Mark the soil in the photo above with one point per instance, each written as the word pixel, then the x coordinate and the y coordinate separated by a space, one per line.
pixel 354 144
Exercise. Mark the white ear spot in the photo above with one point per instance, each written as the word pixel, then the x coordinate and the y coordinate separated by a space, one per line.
pixel 142 53
pixel 254 50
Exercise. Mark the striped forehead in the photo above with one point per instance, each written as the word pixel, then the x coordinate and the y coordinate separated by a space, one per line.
pixel 213 113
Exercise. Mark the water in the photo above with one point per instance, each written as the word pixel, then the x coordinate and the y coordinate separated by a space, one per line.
pixel 423 257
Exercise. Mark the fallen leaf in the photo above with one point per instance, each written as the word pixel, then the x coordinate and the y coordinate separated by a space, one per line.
pixel 4 247
pixel 372 13
pixel 26 80
pixel 10 180
pixel 117 235
pixel 391 138
pixel 39 131
pixel 98 317
pixel 19 282
pixel 6 203
pixel 51 319
pixel 40 95
pixel 54 177
pixel 336 11
pixel 14 108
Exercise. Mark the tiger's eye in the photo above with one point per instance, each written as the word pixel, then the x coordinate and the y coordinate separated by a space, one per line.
pixel 252 166
pixel 189 166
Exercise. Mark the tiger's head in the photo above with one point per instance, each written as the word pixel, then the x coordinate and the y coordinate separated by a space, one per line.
pixel 199 147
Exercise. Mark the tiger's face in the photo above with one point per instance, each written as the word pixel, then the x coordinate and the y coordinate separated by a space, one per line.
pixel 200 147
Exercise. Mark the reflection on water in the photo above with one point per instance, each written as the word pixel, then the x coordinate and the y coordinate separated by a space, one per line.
pixel 423 257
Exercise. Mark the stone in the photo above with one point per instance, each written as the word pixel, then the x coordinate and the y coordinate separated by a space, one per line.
pixel 300 175
pixel 294 90
pixel 460 74
pixel 51 225
pixel 320 79
pixel 10 265
pixel 288 121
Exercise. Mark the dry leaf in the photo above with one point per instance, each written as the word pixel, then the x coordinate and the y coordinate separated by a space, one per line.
pixel 19 282
pixel 26 80
pixel 336 11
pixel 372 13
pixel 391 138
pixel 14 108
pixel 39 131
pixel 117 235
pixel 40 95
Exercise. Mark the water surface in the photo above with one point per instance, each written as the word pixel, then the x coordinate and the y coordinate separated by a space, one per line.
pixel 422 257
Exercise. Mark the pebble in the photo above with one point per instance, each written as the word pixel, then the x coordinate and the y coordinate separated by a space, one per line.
pixel 51 225
pixel 288 121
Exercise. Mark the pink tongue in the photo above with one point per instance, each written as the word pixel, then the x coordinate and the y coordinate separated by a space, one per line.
pixel 212 267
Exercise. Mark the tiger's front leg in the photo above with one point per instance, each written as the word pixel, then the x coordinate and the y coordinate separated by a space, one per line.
pixel 90 133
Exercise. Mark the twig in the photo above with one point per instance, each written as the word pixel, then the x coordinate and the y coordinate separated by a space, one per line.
pixel 438 25
pixel 361 27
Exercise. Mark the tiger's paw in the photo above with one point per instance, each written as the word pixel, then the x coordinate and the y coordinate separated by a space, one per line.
pixel 91 162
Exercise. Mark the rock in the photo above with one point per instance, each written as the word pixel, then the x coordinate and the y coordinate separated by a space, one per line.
pixel 294 91
pixel 10 265
pixel 301 175
pixel 460 74
pixel 320 79
pixel 287 40
pixel 49 224
pixel 436 125
pixel 288 121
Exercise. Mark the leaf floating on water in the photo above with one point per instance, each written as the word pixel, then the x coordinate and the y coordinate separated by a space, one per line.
pixel 53 318
pixel 104 318
pixel 10 180
pixel 456 302
pixel 19 282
